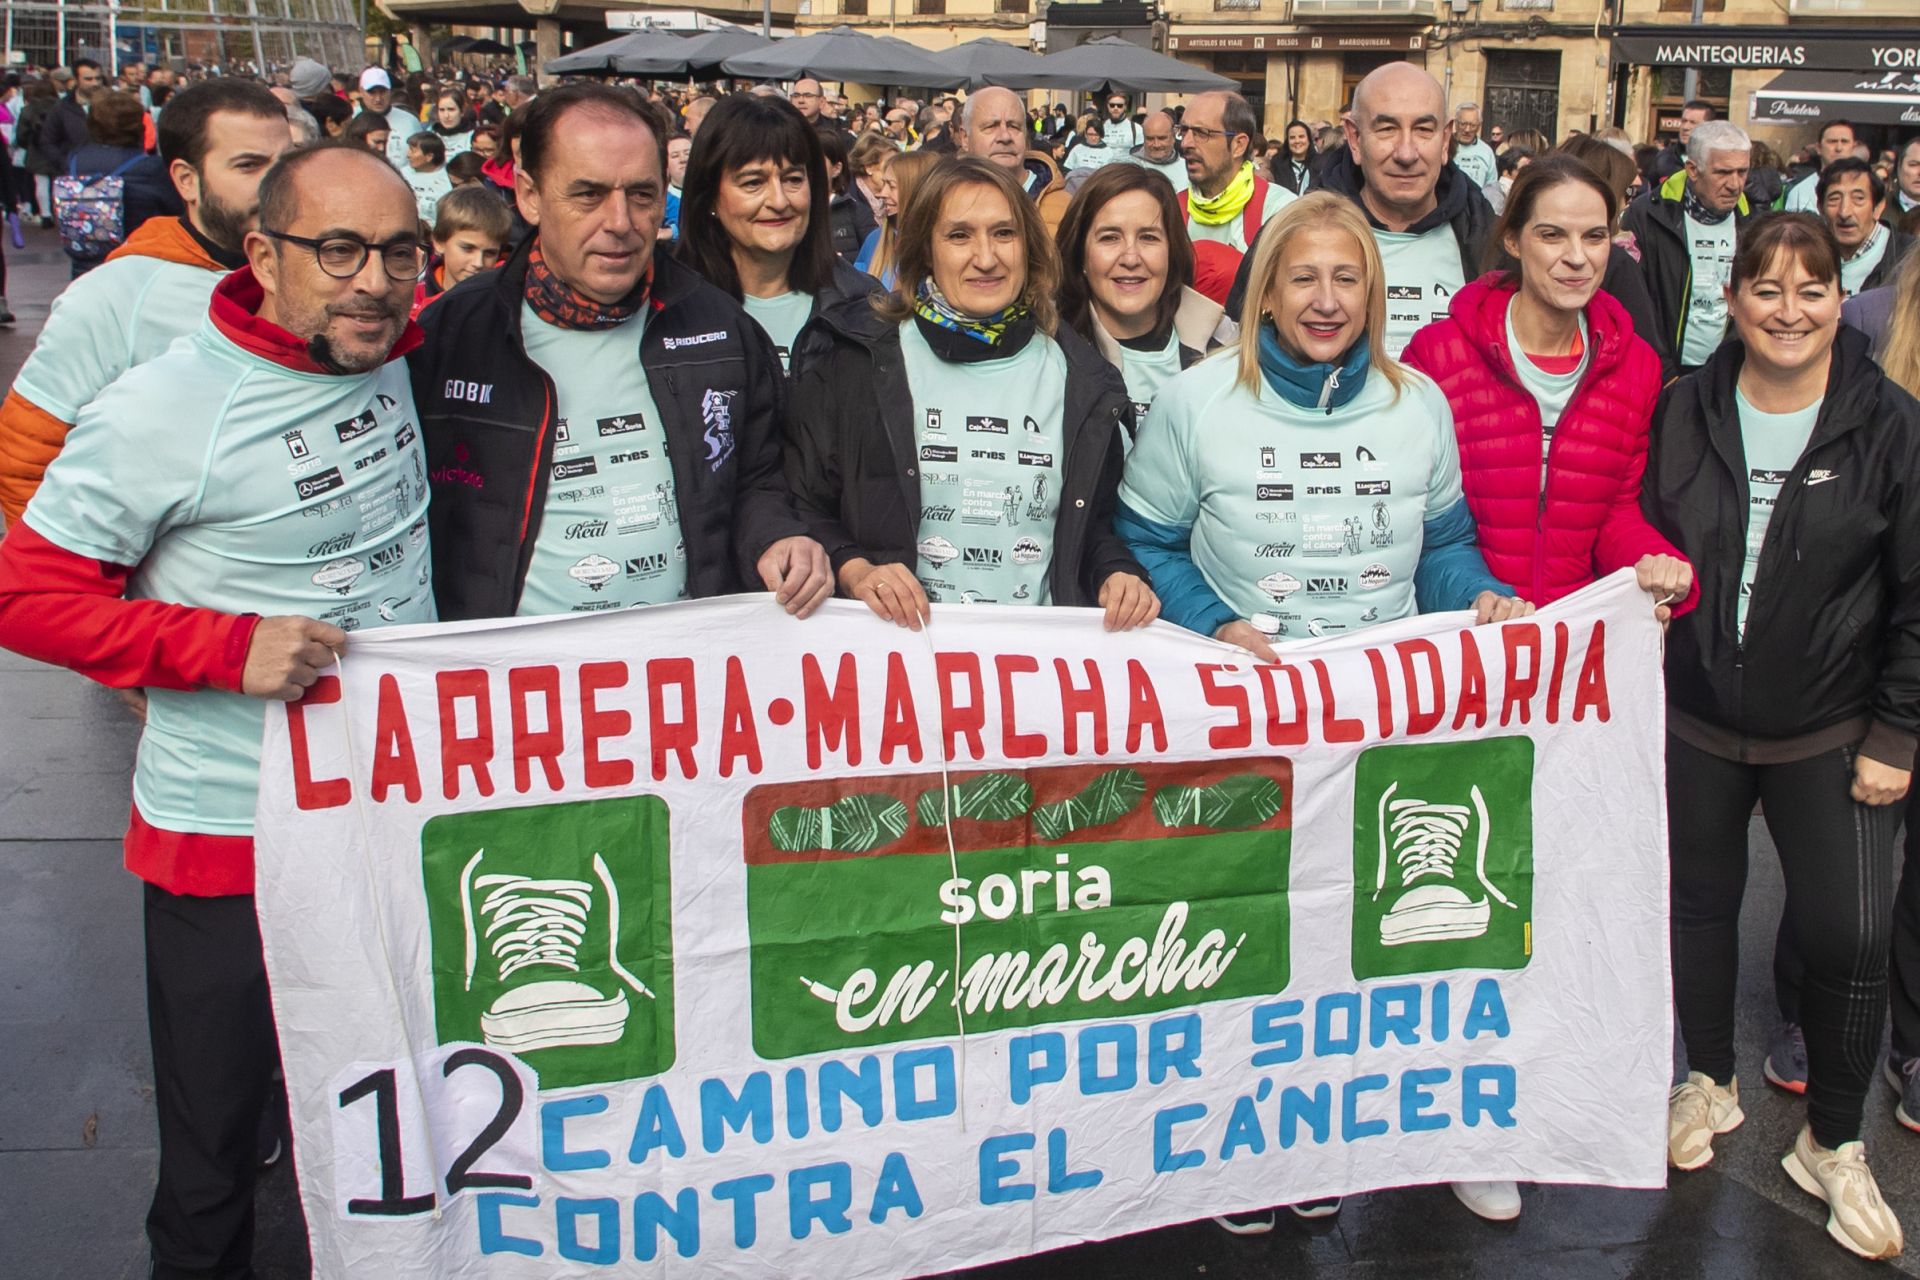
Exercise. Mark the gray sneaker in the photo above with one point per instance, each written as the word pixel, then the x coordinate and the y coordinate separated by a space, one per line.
pixel 1905 1079
pixel 1786 1064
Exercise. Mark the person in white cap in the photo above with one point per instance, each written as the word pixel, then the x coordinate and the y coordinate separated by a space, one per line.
pixel 376 99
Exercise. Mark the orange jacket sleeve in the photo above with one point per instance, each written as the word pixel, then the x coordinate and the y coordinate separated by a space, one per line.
pixel 30 439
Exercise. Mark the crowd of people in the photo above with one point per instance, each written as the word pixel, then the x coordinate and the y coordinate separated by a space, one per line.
pixel 659 346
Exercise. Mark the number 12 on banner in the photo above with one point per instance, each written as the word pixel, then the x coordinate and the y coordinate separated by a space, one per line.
pixel 476 1112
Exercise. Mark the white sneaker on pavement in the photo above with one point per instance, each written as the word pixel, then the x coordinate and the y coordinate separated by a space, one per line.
pixel 1494 1201
pixel 1696 1112
pixel 1857 1217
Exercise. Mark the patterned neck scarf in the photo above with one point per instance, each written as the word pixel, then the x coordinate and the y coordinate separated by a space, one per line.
pixel 993 338
pixel 1691 206
pixel 564 307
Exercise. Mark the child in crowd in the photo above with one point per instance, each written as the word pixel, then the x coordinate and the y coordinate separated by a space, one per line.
pixel 426 171
pixel 469 235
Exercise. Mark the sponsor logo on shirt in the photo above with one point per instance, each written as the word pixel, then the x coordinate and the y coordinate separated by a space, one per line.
pixel 995 426
pixel 1027 550
pixel 651 566
pixel 1268 461
pixel 716 410
pixel 933 423
pixel 1319 462
pixel 387 559
pixel 1323 490
pixel 361 464
pixel 338 575
pixel 622 425
pixel 1275 517
pixel 1372 488
pixel 404 436
pixel 471 392
pixel 320 510
pixel 1321 627
pixel 987 455
pixel 579 495
pixel 937 551
pixel 1028 459
pixel 1759 475
pixel 575 468
pixel 1279 584
pixel 332 546
pixel 630 455
pixel 980 557
pixel 585 529
pixel 297 446
pixel 1375 576
pixel 1273 492
pixel 355 427
pixel 697 340
pixel 1403 293
pixel 1328 587
pixel 939 453
pixel 313 486
pixel 936 515
pixel 1820 475
pixel 594 572
pixel 1275 550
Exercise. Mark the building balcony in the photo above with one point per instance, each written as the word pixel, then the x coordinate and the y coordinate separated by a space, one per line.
pixel 1898 9
pixel 1349 10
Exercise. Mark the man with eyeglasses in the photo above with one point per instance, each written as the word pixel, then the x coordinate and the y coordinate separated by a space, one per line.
pixel 217 138
pixel 1120 130
pixel 221 518
pixel 602 424
pixel 1226 202
pixel 807 98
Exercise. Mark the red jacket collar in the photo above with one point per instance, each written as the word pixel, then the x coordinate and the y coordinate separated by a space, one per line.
pixel 236 314
pixel 1480 309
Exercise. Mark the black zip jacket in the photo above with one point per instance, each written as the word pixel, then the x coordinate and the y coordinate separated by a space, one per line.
pixel 852 468
pixel 486 411
pixel 851 219
pixel 1660 233
pixel 1883 272
pixel 1833 628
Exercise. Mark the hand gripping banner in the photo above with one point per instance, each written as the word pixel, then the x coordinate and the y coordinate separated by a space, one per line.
pixel 697 940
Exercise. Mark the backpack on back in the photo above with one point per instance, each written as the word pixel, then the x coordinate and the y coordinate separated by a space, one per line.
pixel 92 211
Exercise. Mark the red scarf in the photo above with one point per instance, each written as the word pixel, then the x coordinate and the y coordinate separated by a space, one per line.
pixel 564 307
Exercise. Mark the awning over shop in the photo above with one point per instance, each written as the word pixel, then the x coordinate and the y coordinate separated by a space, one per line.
pixel 1798 49
pixel 1799 97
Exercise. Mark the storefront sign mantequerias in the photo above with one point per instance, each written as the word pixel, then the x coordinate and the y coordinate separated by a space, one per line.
pixel 1762 49
pixel 1297 42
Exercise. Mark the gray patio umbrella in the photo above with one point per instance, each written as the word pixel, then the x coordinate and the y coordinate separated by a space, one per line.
pixel 703 54
pixel 1113 63
pixel 988 61
pixel 843 54
pixel 613 57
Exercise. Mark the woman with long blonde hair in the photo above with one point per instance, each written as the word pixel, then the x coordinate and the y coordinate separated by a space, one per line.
pixel 1890 317
pixel 896 177
pixel 1303 482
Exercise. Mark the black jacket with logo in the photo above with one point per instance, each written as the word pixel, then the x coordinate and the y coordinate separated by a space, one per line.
pixel 1833 627
pixel 487 410
pixel 851 451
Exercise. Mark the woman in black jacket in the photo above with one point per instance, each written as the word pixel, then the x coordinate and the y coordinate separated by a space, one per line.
pixel 1126 276
pixel 1292 166
pixel 1787 469
pixel 953 442
pixel 849 216
pixel 754 216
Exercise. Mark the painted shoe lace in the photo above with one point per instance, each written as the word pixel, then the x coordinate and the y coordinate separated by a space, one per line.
pixel 1423 840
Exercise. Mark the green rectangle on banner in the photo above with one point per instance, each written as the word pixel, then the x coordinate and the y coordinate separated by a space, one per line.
pixel 853 938
pixel 552 935
pixel 1443 857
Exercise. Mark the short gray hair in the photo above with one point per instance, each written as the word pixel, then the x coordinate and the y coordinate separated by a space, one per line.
pixel 966 108
pixel 1465 106
pixel 1715 135
pixel 525 86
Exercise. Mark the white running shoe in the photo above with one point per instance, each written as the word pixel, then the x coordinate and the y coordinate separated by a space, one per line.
pixel 1255 1222
pixel 1494 1201
pixel 1857 1217
pixel 1696 1111
pixel 1312 1209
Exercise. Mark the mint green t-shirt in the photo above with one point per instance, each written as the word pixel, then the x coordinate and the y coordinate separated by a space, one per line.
pixel 236 484
pixel 1710 250
pixel 988 440
pixel 1423 273
pixel 782 316
pixel 1145 373
pixel 1551 391
pixel 1772 443
pixel 610 534
pixel 1315 518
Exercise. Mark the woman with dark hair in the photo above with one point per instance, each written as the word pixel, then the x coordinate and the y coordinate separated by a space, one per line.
pixel 959 400
pixel 754 216
pixel 1126 271
pixel 485 143
pixel 369 130
pixel 116 137
pixel 1292 166
pixel 1552 396
pixel 848 213
pixel 1784 469
pixel 452 120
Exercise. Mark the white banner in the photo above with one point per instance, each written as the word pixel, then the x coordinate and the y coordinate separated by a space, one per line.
pixel 697 940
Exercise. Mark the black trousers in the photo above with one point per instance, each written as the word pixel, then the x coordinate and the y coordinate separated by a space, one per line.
pixel 1837 858
pixel 214 1053
pixel 1789 970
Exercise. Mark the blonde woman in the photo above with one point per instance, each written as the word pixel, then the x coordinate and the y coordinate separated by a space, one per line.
pixel 897 176
pixel 959 410
pixel 1890 317
pixel 1307 401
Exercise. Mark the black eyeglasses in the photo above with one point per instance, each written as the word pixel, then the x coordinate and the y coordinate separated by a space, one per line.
pixel 1203 135
pixel 342 257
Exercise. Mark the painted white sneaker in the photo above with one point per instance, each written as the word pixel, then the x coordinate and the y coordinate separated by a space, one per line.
pixel 1696 1112
pixel 1857 1217
pixel 1494 1201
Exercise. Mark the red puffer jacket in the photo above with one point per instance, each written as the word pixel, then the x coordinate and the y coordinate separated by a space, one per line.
pixel 1587 523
